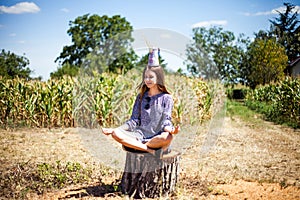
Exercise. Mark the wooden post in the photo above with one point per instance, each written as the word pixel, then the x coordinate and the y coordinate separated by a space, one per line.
pixel 146 176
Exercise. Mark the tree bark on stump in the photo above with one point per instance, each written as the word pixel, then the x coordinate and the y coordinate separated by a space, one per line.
pixel 146 176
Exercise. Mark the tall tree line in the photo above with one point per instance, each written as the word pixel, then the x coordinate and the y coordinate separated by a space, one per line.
pixel 216 53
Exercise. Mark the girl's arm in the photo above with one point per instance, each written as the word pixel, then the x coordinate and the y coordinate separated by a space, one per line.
pixel 131 123
pixel 135 116
pixel 167 123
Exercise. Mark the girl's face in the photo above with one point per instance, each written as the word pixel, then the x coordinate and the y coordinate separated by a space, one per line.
pixel 150 79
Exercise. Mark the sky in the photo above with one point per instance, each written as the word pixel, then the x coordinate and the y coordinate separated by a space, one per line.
pixel 37 29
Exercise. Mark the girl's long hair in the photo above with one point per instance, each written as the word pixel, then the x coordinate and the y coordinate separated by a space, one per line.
pixel 158 70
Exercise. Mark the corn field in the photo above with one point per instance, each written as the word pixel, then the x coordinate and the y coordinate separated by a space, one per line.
pixel 279 102
pixel 84 101
pixel 35 103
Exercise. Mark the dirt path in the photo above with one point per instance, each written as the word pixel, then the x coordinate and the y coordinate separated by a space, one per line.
pixel 249 162
pixel 246 161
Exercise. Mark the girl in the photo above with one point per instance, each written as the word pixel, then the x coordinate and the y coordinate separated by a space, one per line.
pixel 150 128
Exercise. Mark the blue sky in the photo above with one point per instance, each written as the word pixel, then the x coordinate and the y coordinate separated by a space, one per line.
pixel 38 28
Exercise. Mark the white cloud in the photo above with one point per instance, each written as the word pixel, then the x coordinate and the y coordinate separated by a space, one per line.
pixel 12 34
pixel 273 11
pixel 22 7
pixel 246 13
pixel 210 23
pixel 66 10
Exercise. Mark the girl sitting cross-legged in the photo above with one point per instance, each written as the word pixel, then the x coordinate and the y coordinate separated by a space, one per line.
pixel 149 128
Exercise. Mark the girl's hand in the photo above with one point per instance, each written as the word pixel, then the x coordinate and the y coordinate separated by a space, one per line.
pixel 175 130
pixel 172 130
pixel 107 131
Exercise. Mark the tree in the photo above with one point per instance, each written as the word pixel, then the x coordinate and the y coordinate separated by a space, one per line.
pixel 66 69
pixel 98 43
pixel 199 63
pixel 215 53
pixel 264 62
pixel 287 31
pixel 263 35
pixel 12 65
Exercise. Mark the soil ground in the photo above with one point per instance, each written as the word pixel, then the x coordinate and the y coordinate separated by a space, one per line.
pixel 244 161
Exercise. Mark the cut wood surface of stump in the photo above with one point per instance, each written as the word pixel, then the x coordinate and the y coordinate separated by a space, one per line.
pixel 146 176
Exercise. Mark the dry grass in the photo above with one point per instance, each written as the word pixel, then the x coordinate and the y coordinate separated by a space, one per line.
pixel 244 162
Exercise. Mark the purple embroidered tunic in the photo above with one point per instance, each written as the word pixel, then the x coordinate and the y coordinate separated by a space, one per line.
pixel 151 116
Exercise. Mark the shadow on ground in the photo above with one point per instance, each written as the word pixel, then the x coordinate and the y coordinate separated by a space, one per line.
pixel 104 191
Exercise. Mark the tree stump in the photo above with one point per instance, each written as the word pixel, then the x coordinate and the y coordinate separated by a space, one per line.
pixel 146 176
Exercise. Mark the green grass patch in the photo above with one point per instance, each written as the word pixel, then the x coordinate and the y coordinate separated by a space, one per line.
pixel 269 112
pixel 17 181
pixel 239 109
